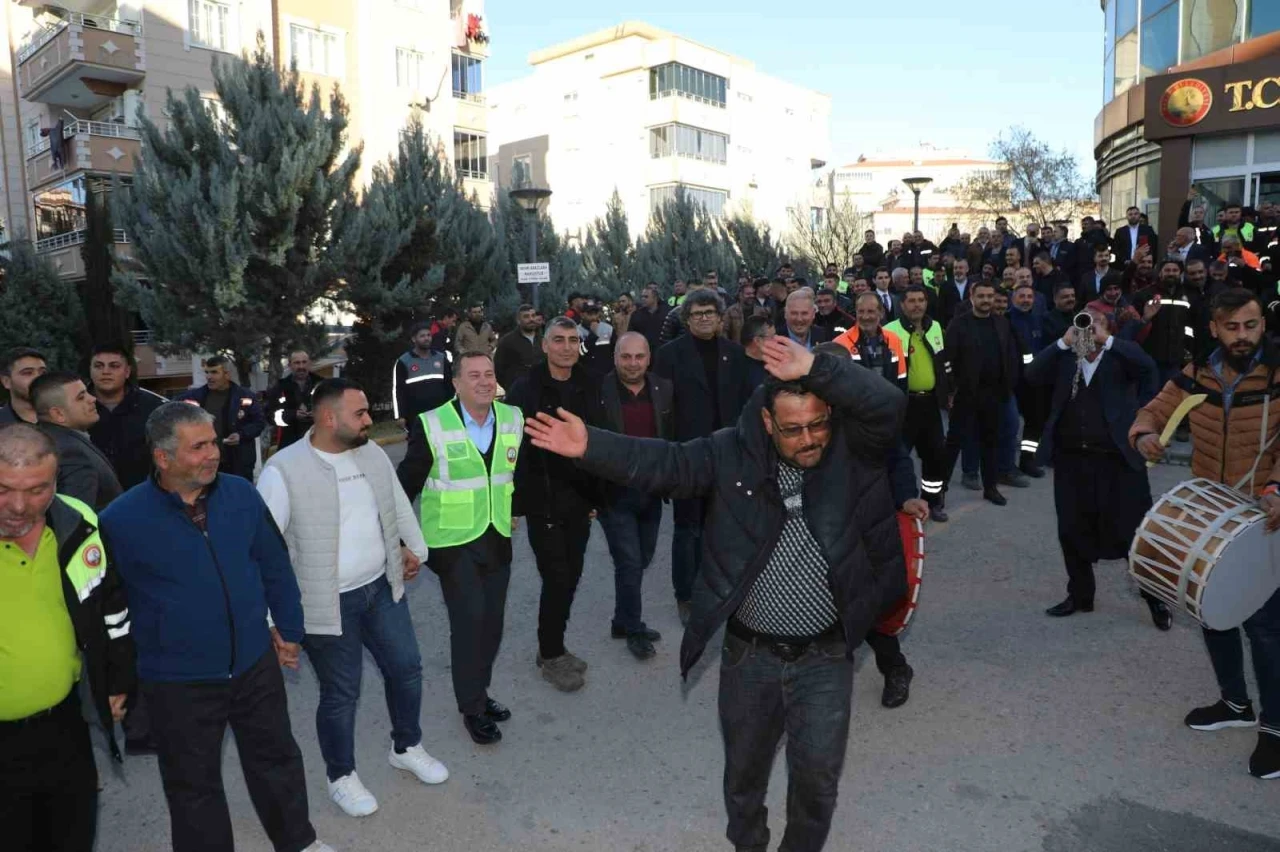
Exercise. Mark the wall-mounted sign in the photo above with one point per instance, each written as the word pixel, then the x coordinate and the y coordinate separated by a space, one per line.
pixel 1186 102
pixel 1252 94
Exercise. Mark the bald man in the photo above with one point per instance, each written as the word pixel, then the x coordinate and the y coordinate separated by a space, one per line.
pixel 636 403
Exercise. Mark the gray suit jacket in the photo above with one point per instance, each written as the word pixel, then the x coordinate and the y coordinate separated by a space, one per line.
pixel 83 471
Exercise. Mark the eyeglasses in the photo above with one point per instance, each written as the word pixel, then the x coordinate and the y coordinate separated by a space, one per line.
pixel 820 426
pixel 711 313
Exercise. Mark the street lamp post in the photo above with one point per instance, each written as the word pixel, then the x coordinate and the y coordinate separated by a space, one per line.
pixel 530 198
pixel 915 184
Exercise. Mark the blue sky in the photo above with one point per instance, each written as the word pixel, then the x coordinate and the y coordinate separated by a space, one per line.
pixel 951 72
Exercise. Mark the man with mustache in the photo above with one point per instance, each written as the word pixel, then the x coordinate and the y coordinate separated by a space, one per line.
pixel 1229 447
pixel 801 554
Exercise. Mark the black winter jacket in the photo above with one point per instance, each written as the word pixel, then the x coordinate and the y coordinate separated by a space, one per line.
pixel 963 345
pixel 121 434
pixel 848 500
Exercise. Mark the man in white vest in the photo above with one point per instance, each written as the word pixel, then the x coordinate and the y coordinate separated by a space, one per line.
pixel 353 541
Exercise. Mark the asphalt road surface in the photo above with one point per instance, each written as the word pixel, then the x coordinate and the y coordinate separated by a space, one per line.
pixel 1022 732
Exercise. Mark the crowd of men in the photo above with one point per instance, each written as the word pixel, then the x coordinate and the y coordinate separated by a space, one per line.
pixel 141 559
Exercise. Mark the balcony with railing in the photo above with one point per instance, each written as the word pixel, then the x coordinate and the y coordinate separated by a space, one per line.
pixel 82 60
pixel 65 253
pixel 86 146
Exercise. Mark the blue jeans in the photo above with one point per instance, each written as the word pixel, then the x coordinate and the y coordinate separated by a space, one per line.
pixel 1226 651
pixel 631 528
pixel 761 698
pixel 370 619
pixel 686 547
pixel 1006 451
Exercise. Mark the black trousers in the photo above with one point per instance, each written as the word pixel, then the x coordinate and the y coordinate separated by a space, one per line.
pixel 475 593
pixel 1034 403
pixel 188 722
pixel 976 415
pixel 888 651
pixel 922 432
pixel 559 548
pixel 48 783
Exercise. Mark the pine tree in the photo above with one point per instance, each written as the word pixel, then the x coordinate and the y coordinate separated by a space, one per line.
pixel 232 220
pixel 608 254
pixel 754 245
pixel 106 321
pixel 683 241
pixel 568 273
pixel 41 309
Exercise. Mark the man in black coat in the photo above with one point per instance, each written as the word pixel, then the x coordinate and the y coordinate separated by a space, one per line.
pixel 237 416
pixel 953 292
pixel 1131 235
pixel 984 365
pixel 872 252
pixel 634 402
pixel 66 410
pixel 711 382
pixel 647 318
pixel 123 409
pixel 1100 486
pixel 801 555
pixel 289 400
pixel 518 350
pixel 556 498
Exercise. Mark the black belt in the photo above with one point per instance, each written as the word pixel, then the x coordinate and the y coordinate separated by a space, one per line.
pixel 68 703
pixel 921 393
pixel 787 650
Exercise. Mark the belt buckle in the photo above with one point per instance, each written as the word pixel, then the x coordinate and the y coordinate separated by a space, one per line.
pixel 787 652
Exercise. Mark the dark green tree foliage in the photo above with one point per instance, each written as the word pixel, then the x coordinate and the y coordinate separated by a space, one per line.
pixel 413 245
pixel 232 220
pixel 684 241
pixel 754 244
pixel 106 321
pixel 567 271
pixel 40 307
pixel 608 255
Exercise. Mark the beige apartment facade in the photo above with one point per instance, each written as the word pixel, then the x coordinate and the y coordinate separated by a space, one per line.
pixel 78 74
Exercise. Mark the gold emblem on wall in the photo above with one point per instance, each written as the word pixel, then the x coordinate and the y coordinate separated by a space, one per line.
pixel 1186 102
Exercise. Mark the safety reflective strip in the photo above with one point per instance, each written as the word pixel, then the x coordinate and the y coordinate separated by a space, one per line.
pixel 502 478
pixel 424 377
pixel 458 484
pixel 117 632
pixel 840 329
pixel 1176 303
pixel 279 418
pixel 450 436
pixel 449 355
pixel 1030 446
pixel 395 393
pixel 602 342
pixel 1190 332
pixel 855 356
pixel 115 618
pixel 1027 359
pixel 92 583
pixel 931 489
pixel 510 429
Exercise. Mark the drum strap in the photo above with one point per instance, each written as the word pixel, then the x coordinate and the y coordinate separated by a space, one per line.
pixel 1263 397
pixel 1263 443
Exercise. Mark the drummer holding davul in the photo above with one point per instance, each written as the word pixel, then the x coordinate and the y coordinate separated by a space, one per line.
pixel 1234 436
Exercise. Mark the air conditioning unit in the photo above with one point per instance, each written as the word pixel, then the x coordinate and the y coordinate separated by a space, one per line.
pixel 130 102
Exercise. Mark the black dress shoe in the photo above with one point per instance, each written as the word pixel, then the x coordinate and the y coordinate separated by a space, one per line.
pixel 897 686
pixel 1160 614
pixel 937 515
pixel 1068 607
pixel 647 632
pixel 640 647
pixel 482 729
pixel 993 496
pixel 495 711
pixel 1032 469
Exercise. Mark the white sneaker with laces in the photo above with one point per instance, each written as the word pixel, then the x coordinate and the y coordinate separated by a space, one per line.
pixel 353 797
pixel 318 847
pixel 416 760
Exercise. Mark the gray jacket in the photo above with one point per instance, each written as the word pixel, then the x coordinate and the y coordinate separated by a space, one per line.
pixel 312 528
pixel 83 471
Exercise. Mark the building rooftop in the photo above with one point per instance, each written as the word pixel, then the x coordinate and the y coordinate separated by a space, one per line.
pixel 610 34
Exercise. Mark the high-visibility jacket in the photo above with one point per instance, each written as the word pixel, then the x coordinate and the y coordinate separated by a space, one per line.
pixel 1244 231
pixel 894 367
pixel 462 497
pixel 675 301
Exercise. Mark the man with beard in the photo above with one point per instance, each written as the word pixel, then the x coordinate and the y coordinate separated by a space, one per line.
pixel 1229 447
pixel 871 346
pixel 475 335
pixel 1026 317
pixel 830 318
pixel 1100 487
pixel 1168 311
pixel 518 349
pixel 801 555
pixel 1140 272
pixel 67 410
pixel 352 576
pixel 1127 322
pixel 289 402
pixel 422 378
pixel 871 252
pixel 1058 320
pixel 18 369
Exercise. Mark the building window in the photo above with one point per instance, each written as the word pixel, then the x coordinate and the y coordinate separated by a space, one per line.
pixel 315 51
pixel 522 170
pixel 1126 63
pixel 1159 41
pixel 676 79
pixel 1209 25
pixel 209 24
pixel 713 201
pixel 467 80
pixel 681 140
pixel 470 154
pixel 409 64
pixel 33 137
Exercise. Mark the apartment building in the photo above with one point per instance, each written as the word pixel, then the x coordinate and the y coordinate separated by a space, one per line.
pixel 644 111
pixel 875 185
pixel 79 73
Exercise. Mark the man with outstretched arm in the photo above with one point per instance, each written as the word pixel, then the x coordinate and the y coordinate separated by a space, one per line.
pixel 801 553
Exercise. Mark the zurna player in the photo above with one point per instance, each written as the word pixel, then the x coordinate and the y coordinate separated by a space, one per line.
pixel 1230 447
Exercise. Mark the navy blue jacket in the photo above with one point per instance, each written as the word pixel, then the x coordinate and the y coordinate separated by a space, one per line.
pixel 199 603
pixel 1128 380
pixel 243 414
pixel 1029 325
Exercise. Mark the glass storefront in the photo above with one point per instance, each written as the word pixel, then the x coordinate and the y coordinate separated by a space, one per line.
pixel 1129 176
pixel 1241 168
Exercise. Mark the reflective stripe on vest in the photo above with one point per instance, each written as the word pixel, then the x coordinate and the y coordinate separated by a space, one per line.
pixel 460 498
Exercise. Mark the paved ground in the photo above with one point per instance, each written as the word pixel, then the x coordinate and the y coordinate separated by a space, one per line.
pixel 1023 733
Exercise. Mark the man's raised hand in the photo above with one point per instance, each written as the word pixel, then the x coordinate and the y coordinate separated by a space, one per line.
pixel 785 359
pixel 565 434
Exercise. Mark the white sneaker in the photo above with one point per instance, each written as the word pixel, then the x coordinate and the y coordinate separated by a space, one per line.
pixel 416 760
pixel 319 847
pixel 354 799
